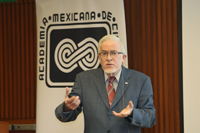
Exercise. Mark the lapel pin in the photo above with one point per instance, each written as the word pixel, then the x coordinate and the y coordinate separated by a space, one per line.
pixel 126 83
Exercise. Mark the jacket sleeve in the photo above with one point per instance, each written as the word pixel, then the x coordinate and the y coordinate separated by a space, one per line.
pixel 63 117
pixel 144 114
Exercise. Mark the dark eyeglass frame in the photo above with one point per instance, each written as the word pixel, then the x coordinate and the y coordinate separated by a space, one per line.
pixel 111 55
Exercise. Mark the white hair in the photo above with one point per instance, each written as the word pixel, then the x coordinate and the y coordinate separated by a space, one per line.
pixel 113 38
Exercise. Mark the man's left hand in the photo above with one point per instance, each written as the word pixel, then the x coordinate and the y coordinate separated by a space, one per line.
pixel 125 112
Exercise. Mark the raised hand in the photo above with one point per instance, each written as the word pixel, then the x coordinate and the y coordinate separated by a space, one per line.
pixel 71 103
pixel 125 112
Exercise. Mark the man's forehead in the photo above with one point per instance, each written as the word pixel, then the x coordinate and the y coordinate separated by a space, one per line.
pixel 110 41
pixel 106 45
pixel 109 50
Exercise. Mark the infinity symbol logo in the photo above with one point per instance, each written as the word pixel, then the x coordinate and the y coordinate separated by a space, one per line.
pixel 68 56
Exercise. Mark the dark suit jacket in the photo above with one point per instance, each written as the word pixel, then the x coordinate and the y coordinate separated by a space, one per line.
pixel 91 88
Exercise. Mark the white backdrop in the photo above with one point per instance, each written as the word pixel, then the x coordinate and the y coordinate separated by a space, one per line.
pixel 66 20
pixel 191 65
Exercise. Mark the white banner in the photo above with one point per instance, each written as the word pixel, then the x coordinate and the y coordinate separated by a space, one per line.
pixel 191 65
pixel 68 32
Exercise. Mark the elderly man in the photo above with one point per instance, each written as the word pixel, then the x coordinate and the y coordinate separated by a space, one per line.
pixel 114 99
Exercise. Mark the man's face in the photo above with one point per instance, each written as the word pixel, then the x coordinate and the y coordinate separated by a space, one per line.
pixel 111 65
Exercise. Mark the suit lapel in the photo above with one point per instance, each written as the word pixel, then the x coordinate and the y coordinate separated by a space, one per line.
pixel 99 81
pixel 122 86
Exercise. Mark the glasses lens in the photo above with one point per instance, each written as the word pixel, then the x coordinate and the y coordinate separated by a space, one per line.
pixel 114 54
pixel 104 54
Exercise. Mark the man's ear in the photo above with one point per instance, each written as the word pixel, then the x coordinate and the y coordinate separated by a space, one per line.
pixel 123 58
pixel 99 58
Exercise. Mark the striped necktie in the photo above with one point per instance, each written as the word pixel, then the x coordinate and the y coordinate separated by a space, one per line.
pixel 111 90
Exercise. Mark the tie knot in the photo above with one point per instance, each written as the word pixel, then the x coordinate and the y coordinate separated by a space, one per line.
pixel 111 79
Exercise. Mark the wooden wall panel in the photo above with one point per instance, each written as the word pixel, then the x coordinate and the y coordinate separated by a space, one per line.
pixel 1 66
pixel 4 127
pixel 153 48
pixel 18 62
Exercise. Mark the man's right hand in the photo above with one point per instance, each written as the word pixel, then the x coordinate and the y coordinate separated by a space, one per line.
pixel 71 103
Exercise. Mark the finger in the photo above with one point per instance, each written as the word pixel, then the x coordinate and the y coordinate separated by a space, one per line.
pixel 67 92
pixel 71 100
pixel 74 102
pixel 115 113
pixel 67 100
pixel 131 104
pixel 77 98
pixel 74 99
pixel 77 101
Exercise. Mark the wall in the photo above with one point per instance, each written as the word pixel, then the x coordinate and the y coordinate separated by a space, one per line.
pixel 191 65
pixel 18 62
pixel 153 48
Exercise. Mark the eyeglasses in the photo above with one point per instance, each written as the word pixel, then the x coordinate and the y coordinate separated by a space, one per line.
pixel 113 54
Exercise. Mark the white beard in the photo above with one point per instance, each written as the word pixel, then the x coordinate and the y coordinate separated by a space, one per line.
pixel 110 71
